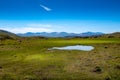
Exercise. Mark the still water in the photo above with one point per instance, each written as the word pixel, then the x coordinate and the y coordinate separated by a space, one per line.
pixel 75 47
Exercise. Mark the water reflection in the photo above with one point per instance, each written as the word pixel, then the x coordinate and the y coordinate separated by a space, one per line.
pixel 76 47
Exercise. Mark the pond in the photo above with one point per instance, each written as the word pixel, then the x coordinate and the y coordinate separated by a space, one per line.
pixel 75 47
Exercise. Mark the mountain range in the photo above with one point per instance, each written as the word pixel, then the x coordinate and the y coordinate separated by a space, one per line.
pixel 60 34
pixel 8 35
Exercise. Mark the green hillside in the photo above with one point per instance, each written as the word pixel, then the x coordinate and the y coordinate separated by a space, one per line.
pixel 112 35
pixel 7 35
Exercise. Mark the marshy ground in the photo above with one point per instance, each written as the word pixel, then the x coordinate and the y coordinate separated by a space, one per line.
pixel 30 59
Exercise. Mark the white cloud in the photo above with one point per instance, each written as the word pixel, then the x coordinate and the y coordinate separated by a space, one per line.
pixel 39 25
pixel 28 28
pixel 46 8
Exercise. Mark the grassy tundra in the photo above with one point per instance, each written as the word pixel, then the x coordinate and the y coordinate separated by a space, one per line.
pixel 30 59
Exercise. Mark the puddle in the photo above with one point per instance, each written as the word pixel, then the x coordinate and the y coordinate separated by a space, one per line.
pixel 76 47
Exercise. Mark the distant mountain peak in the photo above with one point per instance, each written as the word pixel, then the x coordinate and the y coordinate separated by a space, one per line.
pixel 61 34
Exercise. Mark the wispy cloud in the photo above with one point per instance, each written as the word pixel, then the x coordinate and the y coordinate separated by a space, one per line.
pixel 40 25
pixel 29 28
pixel 45 7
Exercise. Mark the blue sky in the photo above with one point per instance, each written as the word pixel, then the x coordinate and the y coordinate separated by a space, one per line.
pixel 20 16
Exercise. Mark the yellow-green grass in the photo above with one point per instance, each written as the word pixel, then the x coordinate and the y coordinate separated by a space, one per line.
pixel 30 59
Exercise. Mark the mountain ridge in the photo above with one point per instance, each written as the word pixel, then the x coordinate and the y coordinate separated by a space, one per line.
pixel 60 34
pixel 7 35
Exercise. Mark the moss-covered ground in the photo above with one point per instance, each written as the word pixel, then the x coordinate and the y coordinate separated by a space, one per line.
pixel 30 59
